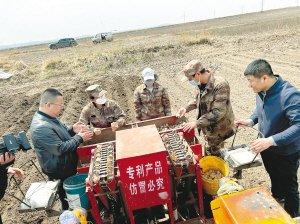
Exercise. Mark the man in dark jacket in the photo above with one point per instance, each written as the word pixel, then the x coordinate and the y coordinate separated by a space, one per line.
pixel 55 144
pixel 278 114
pixel 5 161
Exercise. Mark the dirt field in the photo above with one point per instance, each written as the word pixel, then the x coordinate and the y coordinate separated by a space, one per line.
pixel 226 44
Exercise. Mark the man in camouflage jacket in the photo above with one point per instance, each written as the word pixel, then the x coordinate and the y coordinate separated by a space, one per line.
pixel 212 100
pixel 151 100
pixel 101 112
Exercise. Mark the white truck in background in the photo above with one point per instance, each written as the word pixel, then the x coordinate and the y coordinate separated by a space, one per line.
pixel 101 37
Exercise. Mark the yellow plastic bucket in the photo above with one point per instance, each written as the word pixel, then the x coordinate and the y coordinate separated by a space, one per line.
pixel 213 163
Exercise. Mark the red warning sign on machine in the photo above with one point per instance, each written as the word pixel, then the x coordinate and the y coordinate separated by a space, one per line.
pixel 144 171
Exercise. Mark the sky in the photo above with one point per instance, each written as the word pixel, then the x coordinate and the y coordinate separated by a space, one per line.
pixel 23 21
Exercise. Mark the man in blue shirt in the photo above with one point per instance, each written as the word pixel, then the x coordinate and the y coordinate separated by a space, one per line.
pixel 278 114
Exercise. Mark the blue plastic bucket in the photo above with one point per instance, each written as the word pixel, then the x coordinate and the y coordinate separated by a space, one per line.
pixel 75 190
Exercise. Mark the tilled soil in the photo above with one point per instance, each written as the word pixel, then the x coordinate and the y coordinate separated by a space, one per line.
pixel 230 45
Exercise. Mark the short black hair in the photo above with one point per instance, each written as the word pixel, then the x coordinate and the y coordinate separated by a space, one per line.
pixel 258 68
pixel 49 95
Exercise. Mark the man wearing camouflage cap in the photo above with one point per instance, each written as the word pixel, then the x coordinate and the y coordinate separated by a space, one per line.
pixel 101 112
pixel 151 100
pixel 212 100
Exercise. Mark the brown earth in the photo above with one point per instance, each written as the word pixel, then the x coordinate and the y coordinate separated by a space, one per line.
pixel 226 44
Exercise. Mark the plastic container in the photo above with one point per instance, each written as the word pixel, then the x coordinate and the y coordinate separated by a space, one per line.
pixel 213 163
pixel 251 206
pixel 76 192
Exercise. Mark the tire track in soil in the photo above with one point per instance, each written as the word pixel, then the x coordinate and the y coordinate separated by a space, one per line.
pixel 31 88
pixel 277 65
pixel 276 57
pixel 290 74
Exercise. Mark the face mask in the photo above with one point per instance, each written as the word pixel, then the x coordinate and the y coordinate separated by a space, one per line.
pixel 101 101
pixel 194 82
pixel 149 83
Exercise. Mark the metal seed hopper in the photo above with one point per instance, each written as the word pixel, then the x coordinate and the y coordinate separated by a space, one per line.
pixel 143 167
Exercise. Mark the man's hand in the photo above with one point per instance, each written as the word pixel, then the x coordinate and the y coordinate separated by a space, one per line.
pixel 6 158
pixel 86 135
pixel 189 126
pixel 114 126
pixel 243 123
pixel 181 112
pixel 261 144
pixel 97 131
pixel 16 172
pixel 79 127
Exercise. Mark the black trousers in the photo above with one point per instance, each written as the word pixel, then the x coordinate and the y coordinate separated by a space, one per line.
pixel 3 183
pixel 283 174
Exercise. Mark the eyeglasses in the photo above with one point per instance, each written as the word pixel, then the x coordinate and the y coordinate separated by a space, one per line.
pixel 59 105
pixel 202 71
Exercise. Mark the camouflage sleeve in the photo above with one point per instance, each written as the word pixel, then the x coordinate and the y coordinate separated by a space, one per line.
pixel 166 102
pixel 137 105
pixel 84 116
pixel 218 108
pixel 120 114
pixel 193 103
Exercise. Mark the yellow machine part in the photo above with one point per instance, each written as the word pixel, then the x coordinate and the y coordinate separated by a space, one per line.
pixel 252 206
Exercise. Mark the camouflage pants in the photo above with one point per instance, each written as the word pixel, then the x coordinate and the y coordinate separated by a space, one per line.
pixel 213 149
pixel 213 145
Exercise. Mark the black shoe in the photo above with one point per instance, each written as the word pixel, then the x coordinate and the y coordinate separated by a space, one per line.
pixel 238 174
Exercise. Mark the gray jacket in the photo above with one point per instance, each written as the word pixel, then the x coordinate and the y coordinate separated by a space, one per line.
pixel 55 144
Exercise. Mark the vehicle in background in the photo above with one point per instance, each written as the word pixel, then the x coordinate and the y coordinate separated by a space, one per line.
pixel 66 42
pixel 100 37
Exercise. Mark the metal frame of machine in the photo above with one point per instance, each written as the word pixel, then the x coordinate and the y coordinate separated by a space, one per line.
pixel 105 192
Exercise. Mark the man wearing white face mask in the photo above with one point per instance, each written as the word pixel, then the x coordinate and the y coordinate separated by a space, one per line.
pixel 151 100
pixel 101 112
pixel 215 116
